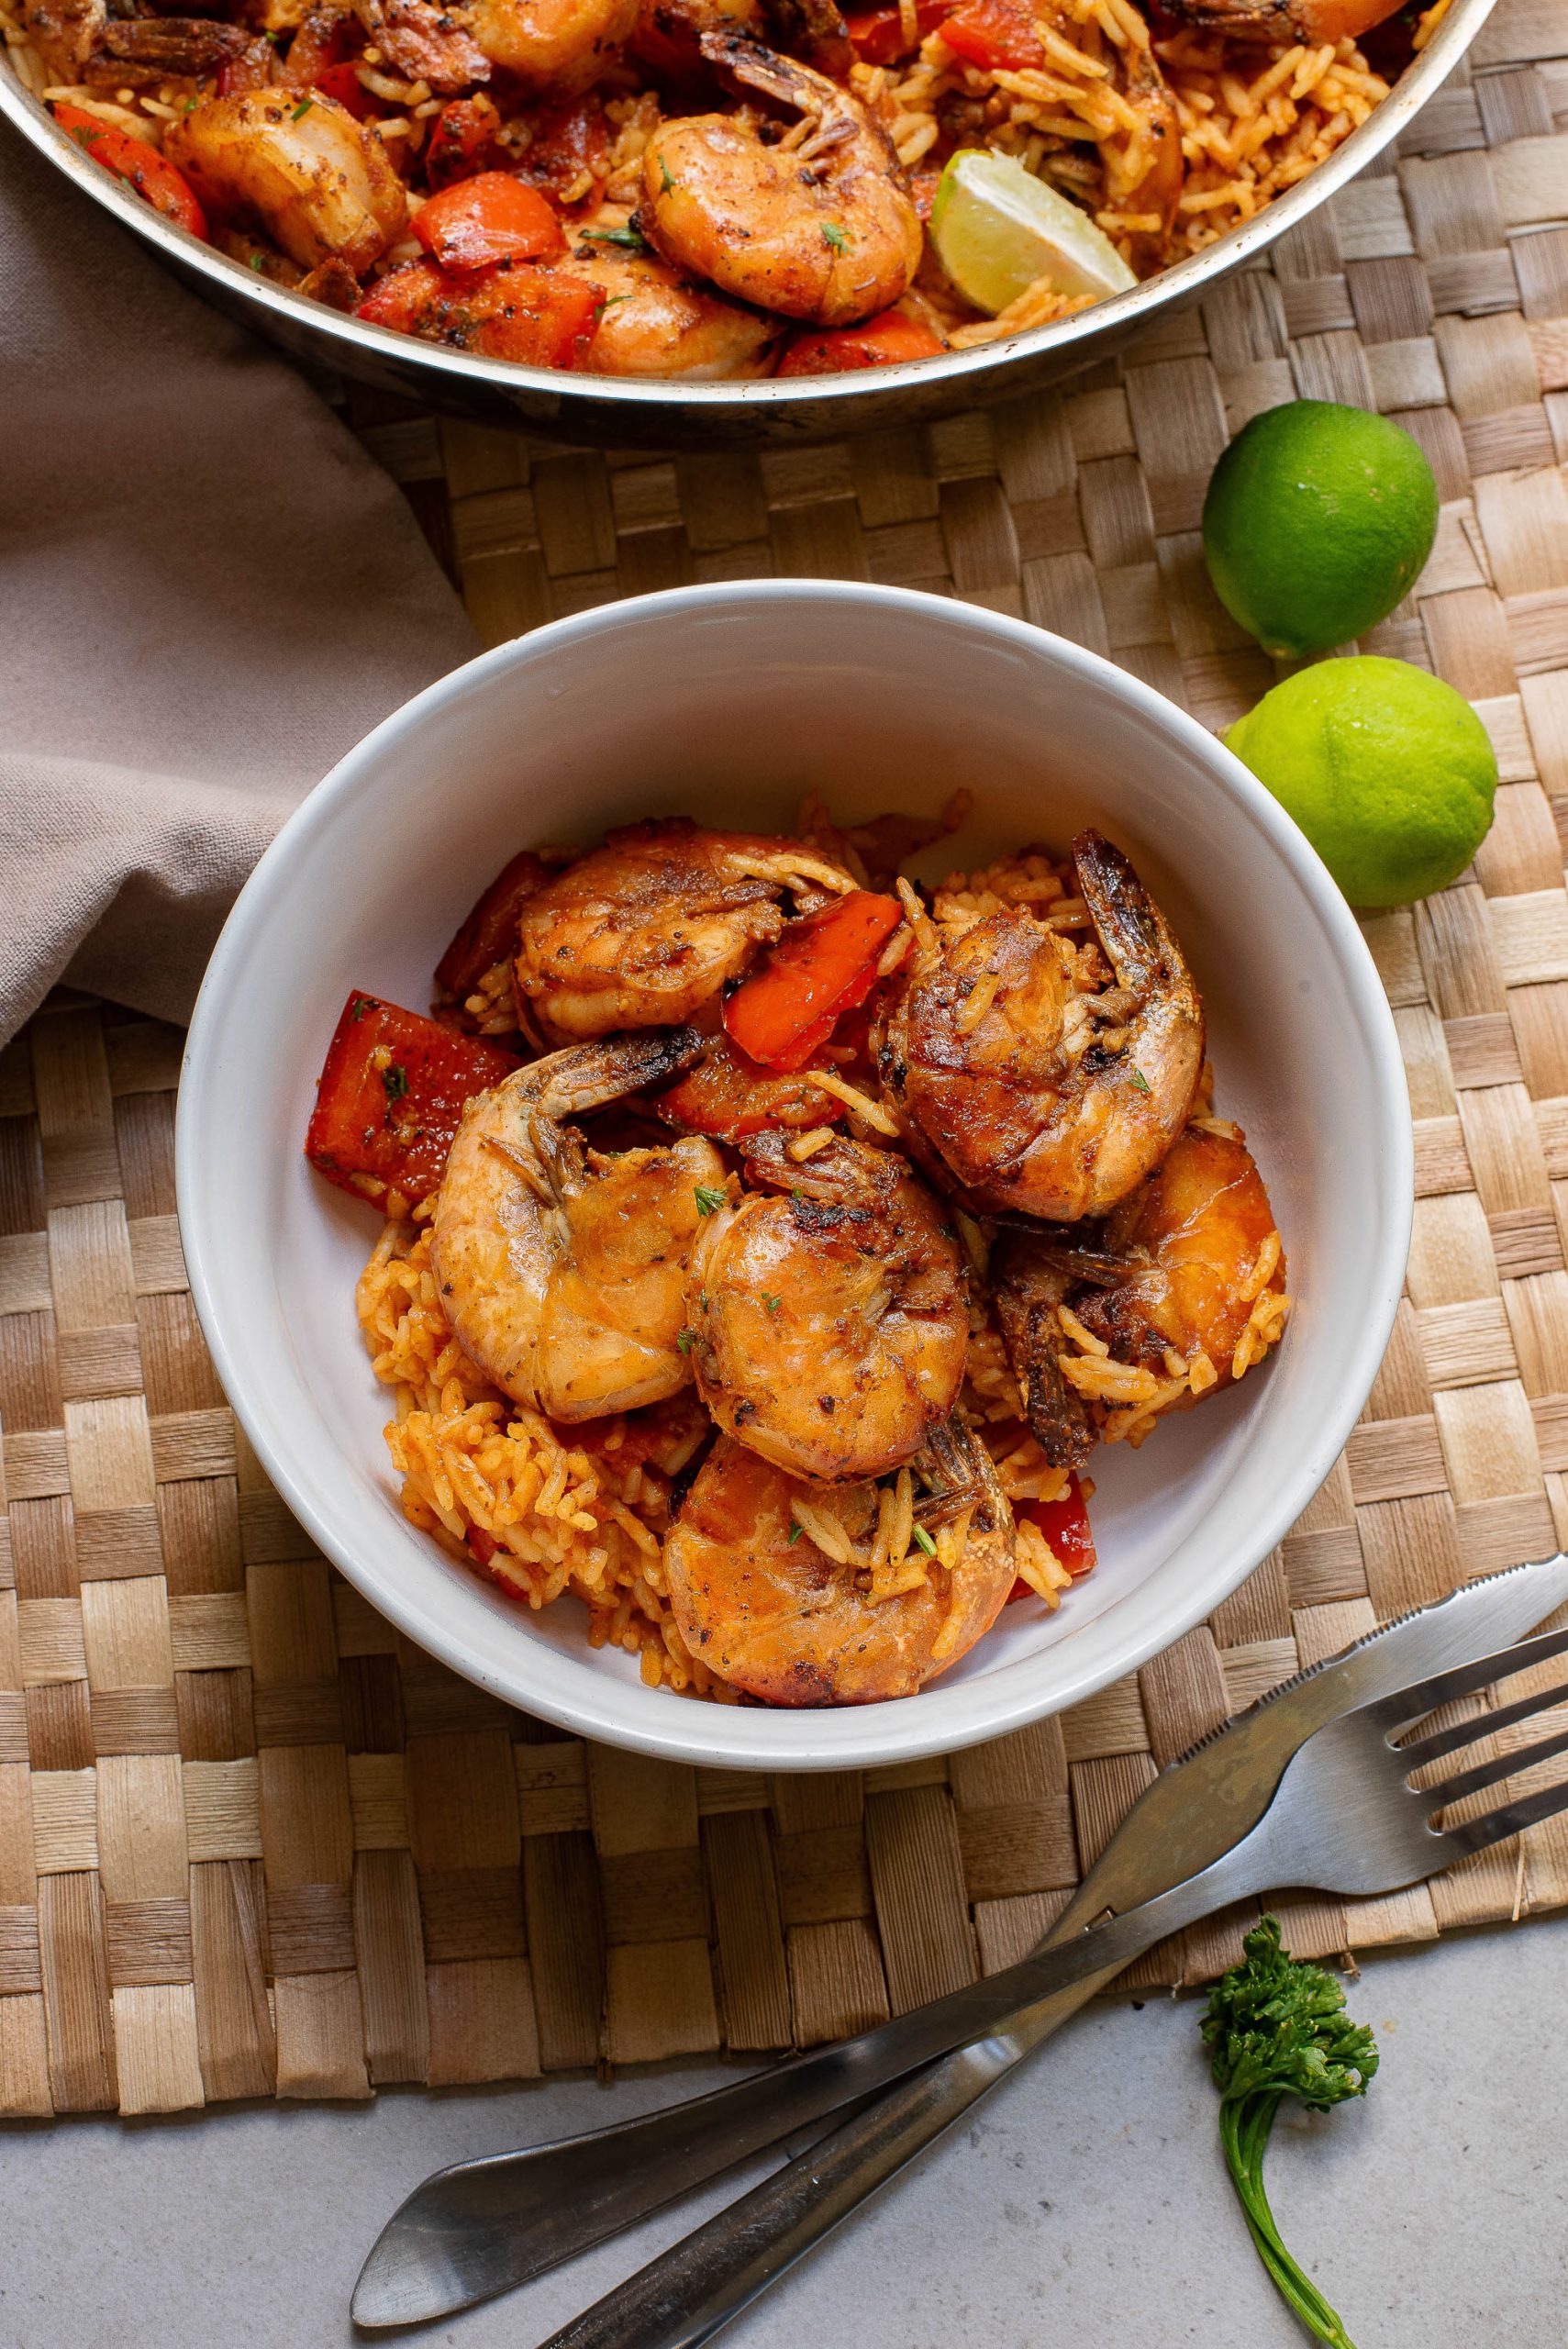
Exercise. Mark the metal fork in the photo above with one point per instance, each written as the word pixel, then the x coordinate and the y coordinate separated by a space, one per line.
pixel 1344 1819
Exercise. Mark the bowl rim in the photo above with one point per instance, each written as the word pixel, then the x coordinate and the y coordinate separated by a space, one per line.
pixel 868 1736
pixel 1139 306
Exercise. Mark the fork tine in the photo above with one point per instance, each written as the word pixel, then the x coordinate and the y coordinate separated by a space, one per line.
pixel 1422 1750
pixel 1411 1705
pixel 1487 1773
pixel 1476 1834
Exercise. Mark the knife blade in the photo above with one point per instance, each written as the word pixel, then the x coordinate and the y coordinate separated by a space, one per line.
pixel 485 2226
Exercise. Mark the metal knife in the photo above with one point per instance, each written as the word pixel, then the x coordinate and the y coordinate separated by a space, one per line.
pixel 485 2226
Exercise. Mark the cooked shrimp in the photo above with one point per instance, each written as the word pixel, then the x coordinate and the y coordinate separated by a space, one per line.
pixel 830 1309
pixel 556 45
pixel 1029 1280
pixel 1313 21
pixel 1042 1099
pixel 424 43
pixel 820 226
pixel 66 32
pixel 654 322
pixel 563 1271
pixel 806 1595
pixel 317 181
pixel 669 32
pixel 152 49
pixel 1199 1256
pixel 646 931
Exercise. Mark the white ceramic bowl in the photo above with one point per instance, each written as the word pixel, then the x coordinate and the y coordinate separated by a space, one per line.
pixel 726 702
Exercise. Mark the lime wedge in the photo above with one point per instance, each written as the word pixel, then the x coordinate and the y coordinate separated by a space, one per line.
pixel 996 229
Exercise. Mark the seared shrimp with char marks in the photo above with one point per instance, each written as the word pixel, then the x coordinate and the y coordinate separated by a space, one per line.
pixel 819 227
pixel 1199 1263
pixel 1029 1094
pixel 828 1309
pixel 563 1271
pixel 654 322
pixel 556 45
pixel 1315 22
pixel 319 181
pixel 800 1593
pixel 644 931
pixel 1177 1295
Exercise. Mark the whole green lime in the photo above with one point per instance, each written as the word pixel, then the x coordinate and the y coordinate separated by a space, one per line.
pixel 1318 521
pixel 1389 771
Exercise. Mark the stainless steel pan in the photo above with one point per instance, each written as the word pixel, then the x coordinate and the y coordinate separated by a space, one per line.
pixel 605 409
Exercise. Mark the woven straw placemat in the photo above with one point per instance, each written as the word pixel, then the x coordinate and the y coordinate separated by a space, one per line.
pixel 251 1841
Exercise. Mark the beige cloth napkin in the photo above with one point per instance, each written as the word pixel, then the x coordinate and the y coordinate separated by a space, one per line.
pixel 210 592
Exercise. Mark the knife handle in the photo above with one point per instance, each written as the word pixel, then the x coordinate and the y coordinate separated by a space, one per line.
pixel 688 2293
pixel 476 2230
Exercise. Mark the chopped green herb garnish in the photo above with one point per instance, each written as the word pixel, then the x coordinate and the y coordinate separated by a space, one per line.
pixel 794 1533
pixel 946 1231
pixel 708 1200
pixel 925 1541
pixel 685 1340
pixel 772 1303
pixel 834 236
pixel 1278 2028
pixel 669 188
pixel 631 238
pixel 395 1080
pixel 259 261
pixel 363 1003
pixel 302 109
pixel 1140 1081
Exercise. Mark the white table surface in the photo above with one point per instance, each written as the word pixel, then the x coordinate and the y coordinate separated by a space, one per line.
pixel 1086 2205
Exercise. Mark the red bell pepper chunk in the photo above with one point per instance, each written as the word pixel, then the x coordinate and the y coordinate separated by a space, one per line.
pixel 493 217
pixel 462 141
pixel 343 84
pixel 139 165
pixel 390 1097
pixel 882 341
pixel 408 298
pixel 489 932
pixel 877 35
pixel 1065 1525
pixel 821 967
pixel 514 311
pixel 726 1096
pixel 989 33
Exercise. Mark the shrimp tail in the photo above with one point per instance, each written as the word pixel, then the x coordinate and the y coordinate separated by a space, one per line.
pixel 783 79
pixel 1137 938
pixel 815 29
pixel 586 1076
pixel 1028 1283
pixel 836 1176
pixel 959 1476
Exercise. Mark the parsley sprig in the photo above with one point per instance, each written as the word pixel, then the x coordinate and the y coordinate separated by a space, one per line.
pixel 630 238
pixel 1278 2028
